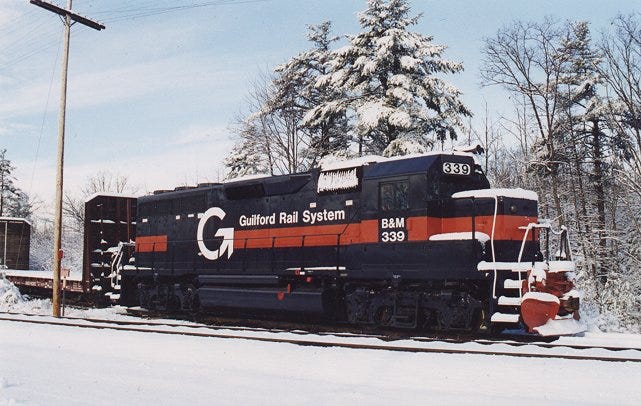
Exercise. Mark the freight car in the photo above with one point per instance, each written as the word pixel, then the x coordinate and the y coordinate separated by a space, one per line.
pixel 419 242
pixel 109 221
pixel 15 238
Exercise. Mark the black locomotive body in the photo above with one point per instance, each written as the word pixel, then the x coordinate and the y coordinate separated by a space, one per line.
pixel 394 242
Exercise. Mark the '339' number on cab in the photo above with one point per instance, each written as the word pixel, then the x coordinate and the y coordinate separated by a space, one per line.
pixel 453 168
pixel 393 236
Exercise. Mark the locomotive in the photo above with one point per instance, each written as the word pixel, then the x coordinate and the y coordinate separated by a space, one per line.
pixel 419 242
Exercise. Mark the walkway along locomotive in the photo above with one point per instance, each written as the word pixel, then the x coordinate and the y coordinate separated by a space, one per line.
pixel 418 242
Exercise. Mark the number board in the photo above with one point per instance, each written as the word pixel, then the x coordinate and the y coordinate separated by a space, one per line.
pixel 455 168
pixel 392 230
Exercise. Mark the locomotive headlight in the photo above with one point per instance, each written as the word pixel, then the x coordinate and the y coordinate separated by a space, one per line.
pixel 513 208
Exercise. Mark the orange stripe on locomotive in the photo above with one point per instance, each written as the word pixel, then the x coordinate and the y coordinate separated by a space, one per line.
pixel 419 228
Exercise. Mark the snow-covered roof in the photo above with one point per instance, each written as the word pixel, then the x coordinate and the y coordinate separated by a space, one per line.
pixel 109 194
pixel 16 219
pixel 516 193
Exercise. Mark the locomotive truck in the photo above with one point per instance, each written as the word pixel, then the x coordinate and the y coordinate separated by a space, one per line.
pixel 418 242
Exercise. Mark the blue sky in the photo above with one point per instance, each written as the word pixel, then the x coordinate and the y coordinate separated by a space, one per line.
pixel 152 97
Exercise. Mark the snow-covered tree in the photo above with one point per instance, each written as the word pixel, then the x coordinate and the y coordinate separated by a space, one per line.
pixel 296 89
pixel 621 72
pixel 13 201
pixel 272 137
pixel 404 145
pixel 247 158
pixel 588 148
pixel 73 208
pixel 577 133
pixel 389 78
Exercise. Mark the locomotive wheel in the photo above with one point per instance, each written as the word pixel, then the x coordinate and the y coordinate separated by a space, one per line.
pixel 383 316
pixel 173 303
pixel 478 321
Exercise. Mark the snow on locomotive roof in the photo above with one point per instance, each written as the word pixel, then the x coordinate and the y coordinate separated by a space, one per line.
pixel 350 163
pixel 247 177
pixel 516 193
pixel 369 159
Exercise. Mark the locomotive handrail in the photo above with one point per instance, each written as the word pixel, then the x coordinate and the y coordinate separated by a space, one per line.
pixel 496 210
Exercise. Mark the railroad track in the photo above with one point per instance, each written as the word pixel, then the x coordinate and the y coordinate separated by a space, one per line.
pixel 343 340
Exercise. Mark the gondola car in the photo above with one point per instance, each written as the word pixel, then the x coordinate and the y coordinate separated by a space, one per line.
pixel 418 242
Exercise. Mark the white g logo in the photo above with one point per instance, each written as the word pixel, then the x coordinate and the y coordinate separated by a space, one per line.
pixel 226 233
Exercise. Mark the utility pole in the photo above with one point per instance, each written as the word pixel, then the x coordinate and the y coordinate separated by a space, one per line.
pixel 68 18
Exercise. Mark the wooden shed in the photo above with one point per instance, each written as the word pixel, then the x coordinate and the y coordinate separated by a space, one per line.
pixel 15 240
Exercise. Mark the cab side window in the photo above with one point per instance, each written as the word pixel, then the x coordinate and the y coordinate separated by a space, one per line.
pixel 394 195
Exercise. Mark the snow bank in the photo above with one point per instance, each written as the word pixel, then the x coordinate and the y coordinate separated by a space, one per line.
pixel 11 300
pixel 561 327
pixel 9 294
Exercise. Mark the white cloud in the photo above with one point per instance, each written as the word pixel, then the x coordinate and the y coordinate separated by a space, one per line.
pixel 121 84
pixel 191 160
pixel 8 13
pixel 196 134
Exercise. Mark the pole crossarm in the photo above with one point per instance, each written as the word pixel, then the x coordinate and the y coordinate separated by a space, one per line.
pixel 68 13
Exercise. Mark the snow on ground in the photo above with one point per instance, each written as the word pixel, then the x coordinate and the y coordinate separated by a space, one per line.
pixel 57 365
pixel 54 365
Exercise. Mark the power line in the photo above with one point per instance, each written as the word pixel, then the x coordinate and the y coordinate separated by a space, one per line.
pixel 25 45
pixel 44 117
pixel 121 14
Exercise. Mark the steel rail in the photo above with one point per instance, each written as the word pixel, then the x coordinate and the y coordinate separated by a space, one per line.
pixel 196 325
pixel 122 326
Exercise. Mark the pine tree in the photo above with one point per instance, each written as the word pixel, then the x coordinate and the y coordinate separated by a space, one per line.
pixel 581 145
pixel 273 138
pixel 388 76
pixel 13 202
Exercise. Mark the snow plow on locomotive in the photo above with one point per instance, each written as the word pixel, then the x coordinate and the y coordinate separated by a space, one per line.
pixel 417 242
